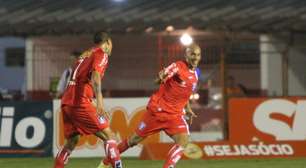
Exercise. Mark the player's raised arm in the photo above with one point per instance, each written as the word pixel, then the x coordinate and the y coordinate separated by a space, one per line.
pixel 166 73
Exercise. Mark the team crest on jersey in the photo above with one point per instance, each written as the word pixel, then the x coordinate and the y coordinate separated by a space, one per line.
pixel 101 120
pixel 142 125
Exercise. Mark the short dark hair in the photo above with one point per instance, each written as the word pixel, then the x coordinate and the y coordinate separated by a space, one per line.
pixel 101 37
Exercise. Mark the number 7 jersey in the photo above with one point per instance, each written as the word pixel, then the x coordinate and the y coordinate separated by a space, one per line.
pixel 80 91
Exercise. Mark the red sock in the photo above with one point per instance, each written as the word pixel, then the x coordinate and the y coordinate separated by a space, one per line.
pixel 173 157
pixel 62 158
pixel 123 146
pixel 112 153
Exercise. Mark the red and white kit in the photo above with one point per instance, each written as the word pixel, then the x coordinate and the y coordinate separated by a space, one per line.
pixel 78 112
pixel 165 109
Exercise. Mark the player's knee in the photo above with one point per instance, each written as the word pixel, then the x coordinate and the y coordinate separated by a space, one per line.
pixel 182 141
pixel 105 135
pixel 134 140
pixel 72 142
pixel 184 144
pixel 109 135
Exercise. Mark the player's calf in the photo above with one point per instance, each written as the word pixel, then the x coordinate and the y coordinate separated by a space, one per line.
pixel 176 152
pixel 113 153
pixel 124 145
pixel 173 156
pixel 62 158
pixel 63 155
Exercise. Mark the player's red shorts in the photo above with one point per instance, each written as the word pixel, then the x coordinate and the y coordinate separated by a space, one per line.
pixel 151 124
pixel 82 120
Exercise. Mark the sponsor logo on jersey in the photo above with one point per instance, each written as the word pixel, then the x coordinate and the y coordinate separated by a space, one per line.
pixel 102 120
pixel 181 126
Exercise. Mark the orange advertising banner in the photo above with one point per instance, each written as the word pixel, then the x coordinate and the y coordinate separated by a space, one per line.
pixel 267 119
pixel 258 128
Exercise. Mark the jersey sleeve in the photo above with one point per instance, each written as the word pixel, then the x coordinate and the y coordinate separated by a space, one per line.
pixel 172 70
pixel 100 61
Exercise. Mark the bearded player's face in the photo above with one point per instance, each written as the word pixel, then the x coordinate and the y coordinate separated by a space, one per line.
pixel 193 57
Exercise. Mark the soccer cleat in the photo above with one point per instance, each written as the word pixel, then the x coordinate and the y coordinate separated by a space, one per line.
pixel 102 165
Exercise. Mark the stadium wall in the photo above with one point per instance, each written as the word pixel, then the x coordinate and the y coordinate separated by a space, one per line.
pixel 272 47
pixel 297 62
pixel 16 78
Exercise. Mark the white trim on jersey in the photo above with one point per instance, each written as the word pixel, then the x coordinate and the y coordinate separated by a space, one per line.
pixel 171 70
pixel 196 75
pixel 104 60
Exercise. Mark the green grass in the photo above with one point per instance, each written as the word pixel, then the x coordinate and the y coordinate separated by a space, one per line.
pixel 135 163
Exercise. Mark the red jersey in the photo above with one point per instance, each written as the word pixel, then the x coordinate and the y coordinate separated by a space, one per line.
pixel 80 91
pixel 173 94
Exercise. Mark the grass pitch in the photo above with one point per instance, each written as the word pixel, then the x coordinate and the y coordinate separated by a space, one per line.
pixel 135 163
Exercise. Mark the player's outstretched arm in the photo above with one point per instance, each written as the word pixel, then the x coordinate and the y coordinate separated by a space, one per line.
pixel 96 83
pixel 167 73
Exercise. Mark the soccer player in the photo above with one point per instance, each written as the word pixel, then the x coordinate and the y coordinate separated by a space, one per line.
pixel 79 115
pixel 167 106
